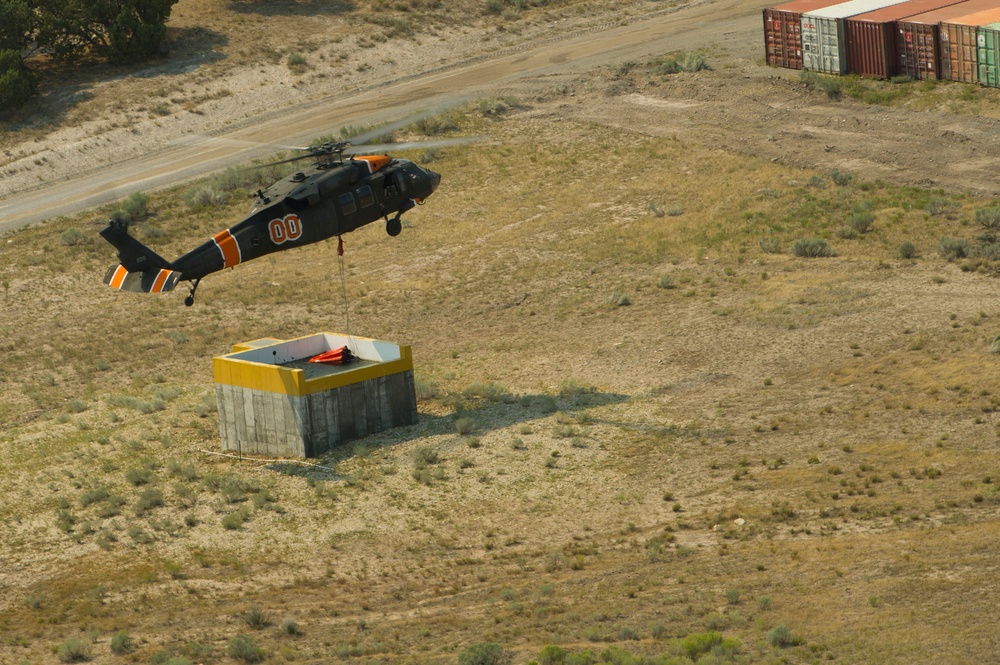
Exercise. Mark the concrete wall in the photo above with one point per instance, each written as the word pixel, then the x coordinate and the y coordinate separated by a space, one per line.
pixel 285 425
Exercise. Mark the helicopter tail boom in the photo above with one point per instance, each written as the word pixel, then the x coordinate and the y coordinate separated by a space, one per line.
pixel 141 269
pixel 157 280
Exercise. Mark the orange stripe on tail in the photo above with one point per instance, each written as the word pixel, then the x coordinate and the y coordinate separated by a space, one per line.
pixel 119 277
pixel 161 279
pixel 229 247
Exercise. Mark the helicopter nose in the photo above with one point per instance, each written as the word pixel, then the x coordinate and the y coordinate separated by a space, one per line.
pixel 435 179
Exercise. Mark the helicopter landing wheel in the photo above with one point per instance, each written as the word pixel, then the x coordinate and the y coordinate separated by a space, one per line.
pixel 393 226
pixel 190 298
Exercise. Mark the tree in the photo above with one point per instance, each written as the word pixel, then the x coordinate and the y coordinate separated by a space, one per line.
pixel 17 84
pixel 119 30
pixel 18 22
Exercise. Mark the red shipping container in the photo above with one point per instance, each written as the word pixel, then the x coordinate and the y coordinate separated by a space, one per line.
pixel 918 47
pixel 871 43
pixel 783 31
pixel 959 61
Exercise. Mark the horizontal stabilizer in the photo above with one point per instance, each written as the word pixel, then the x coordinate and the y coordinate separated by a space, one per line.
pixel 149 281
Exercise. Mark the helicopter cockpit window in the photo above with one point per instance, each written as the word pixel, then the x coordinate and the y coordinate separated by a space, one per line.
pixel 365 196
pixel 347 205
pixel 400 181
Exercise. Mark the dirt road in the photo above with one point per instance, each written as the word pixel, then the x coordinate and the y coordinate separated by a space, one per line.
pixel 740 106
pixel 558 57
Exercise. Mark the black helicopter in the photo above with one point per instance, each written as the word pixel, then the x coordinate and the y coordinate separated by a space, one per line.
pixel 333 196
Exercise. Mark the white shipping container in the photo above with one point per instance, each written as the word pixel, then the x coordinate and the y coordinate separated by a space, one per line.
pixel 824 47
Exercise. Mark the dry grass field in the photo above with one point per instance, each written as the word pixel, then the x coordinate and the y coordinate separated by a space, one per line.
pixel 649 432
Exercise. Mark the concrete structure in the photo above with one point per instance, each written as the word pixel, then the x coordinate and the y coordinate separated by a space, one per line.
pixel 272 401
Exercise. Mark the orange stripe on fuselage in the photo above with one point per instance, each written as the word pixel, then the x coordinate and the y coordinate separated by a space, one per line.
pixel 229 247
pixel 119 277
pixel 375 162
pixel 161 279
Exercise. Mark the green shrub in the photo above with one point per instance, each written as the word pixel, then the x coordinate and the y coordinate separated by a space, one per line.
pixel 907 250
pixel 989 218
pixel 122 643
pixel 149 499
pixel 17 83
pixel 243 648
pixel 953 248
pixel 769 245
pixel 71 237
pixel 585 657
pixel 235 520
pixel 812 248
pixel 628 633
pixel 296 62
pixel 833 86
pixel 619 299
pixel 679 62
pixel 552 655
pixel 425 455
pixel 291 627
pixel 485 653
pixel 989 251
pixel 937 207
pixel 780 636
pixel 841 178
pixel 136 206
pixel 861 221
pixel 73 650
pixel 257 618
pixel 139 475
pixel 426 389
pixel 665 282
pixel 696 644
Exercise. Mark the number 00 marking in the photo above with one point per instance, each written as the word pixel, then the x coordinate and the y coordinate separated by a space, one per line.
pixel 285 229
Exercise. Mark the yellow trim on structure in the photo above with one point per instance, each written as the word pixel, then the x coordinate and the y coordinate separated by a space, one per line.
pixel 288 381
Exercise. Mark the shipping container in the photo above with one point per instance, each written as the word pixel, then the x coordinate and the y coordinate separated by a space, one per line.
pixel 783 31
pixel 959 40
pixel 988 54
pixel 918 38
pixel 871 37
pixel 824 47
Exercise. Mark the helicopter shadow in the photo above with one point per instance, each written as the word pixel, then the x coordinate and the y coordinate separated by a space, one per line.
pixel 475 420
pixel 292 7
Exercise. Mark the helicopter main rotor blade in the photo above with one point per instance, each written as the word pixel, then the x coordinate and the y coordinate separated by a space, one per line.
pixel 412 145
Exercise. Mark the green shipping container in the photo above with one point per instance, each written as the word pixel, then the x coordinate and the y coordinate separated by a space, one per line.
pixel 988 54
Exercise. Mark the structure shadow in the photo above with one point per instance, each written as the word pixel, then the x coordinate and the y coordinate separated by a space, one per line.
pixel 478 418
pixel 482 417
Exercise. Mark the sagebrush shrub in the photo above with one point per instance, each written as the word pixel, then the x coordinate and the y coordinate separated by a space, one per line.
pixel 243 648
pixel 953 248
pixel 812 248
pixel 485 653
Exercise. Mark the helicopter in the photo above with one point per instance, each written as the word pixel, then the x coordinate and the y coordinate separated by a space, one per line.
pixel 333 196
